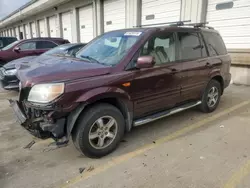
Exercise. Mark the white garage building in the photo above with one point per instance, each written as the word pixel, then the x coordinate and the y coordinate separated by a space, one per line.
pixel 82 20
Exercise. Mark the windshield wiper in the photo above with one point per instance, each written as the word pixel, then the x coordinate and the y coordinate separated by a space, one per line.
pixel 91 59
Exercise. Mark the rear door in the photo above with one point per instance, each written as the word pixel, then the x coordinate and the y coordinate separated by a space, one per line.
pixel 193 64
pixel 43 46
pixel 157 88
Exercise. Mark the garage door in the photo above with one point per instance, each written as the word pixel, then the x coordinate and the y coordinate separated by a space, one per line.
pixel 12 32
pixel 41 25
pixel 86 24
pixel 21 34
pixel 17 33
pixel 114 15
pixel 66 26
pixel 160 11
pixel 27 31
pixel 232 20
pixel 33 29
pixel 52 26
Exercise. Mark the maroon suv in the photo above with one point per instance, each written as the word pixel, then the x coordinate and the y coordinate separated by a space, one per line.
pixel 28 47
pixel 122 79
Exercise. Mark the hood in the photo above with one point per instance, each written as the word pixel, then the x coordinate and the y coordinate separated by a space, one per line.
pixel 56 69
pixel 12 64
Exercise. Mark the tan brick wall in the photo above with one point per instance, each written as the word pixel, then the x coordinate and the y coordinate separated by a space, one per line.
pixel 240 56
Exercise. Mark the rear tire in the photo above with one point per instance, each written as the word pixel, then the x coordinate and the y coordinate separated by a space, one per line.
pixel 99 130
pixel 211 97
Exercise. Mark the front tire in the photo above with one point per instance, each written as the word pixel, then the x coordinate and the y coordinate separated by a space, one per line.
pixel 211 97
pixel 99 130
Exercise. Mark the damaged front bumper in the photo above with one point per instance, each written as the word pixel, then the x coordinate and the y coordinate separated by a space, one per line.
pixel 39 124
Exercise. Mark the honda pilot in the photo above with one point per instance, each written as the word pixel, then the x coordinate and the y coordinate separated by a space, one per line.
pixel 120 80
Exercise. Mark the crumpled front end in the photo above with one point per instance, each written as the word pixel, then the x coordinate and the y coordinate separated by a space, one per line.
pixel 42 122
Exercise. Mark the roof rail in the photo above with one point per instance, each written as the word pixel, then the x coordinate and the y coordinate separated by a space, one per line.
pixel 197 25
pixel 180 23
pixel 177 23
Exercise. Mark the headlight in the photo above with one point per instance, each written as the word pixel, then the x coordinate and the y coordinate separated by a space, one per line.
pixel 11 72
pixel 44 93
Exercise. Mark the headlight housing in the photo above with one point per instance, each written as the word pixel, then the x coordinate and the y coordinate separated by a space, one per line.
pixel 45 93
pixel 10 72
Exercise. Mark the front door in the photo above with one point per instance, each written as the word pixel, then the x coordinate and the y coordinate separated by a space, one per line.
pixel 157 88
pixel 194 65
pixel 25 49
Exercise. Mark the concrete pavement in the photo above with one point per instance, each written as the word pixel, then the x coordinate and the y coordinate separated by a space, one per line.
pixel 190 149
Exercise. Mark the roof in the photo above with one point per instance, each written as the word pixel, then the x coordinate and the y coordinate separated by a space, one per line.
pixel 32 8
pixel 19 9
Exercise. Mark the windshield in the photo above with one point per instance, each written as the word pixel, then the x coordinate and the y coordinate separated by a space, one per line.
pixel 10 45
pixel 110 48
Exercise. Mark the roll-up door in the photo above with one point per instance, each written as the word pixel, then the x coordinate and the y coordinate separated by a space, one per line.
pixel 114 15
pixel 66 26
pixel 27 31
pixel 86 23
pixel 232 20
pixel 52 26
pixel 160 11
pixel 33 29
pixel 41 25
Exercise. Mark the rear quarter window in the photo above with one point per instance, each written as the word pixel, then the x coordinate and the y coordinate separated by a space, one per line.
pixel 215 44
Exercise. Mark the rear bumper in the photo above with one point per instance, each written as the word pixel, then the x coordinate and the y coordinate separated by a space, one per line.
pixel 227 80
pixel 40 127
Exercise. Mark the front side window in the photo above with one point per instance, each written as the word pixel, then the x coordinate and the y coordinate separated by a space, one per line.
pixel 45 45
pixel 215 44
pixel 28 46
pixel 161 47
pixel 190 46
pixel 110 48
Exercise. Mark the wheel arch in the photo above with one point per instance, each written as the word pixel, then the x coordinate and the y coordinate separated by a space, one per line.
pixel 122 104
pixel 220 79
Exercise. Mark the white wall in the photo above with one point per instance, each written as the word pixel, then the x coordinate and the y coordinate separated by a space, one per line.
pixel 190 9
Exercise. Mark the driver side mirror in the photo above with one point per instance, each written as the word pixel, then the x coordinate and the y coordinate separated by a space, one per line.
pixel 145 62
pixel 17 49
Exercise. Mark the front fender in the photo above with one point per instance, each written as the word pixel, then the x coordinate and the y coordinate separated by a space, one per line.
pixel 98 94
pixel 103 92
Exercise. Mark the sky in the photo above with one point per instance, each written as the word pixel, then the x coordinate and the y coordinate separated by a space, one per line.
pixel 8 6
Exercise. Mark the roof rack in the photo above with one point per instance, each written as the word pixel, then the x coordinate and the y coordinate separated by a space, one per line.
pixel 180 23
pixel 197 25
pixel 177 23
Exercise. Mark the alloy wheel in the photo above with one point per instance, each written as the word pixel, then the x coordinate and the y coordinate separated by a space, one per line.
pixel 103 132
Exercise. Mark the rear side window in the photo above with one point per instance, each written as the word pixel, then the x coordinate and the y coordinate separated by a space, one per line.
pixel 215 44
pixel 45 45
pixel 190 46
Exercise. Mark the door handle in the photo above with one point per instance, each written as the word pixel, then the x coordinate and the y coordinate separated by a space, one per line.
pixel 173 71
pixel 208 64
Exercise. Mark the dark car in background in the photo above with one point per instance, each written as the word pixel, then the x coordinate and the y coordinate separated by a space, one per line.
pixel 8 71
pixel 123 79
pixel 4 41
pixel 28 47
